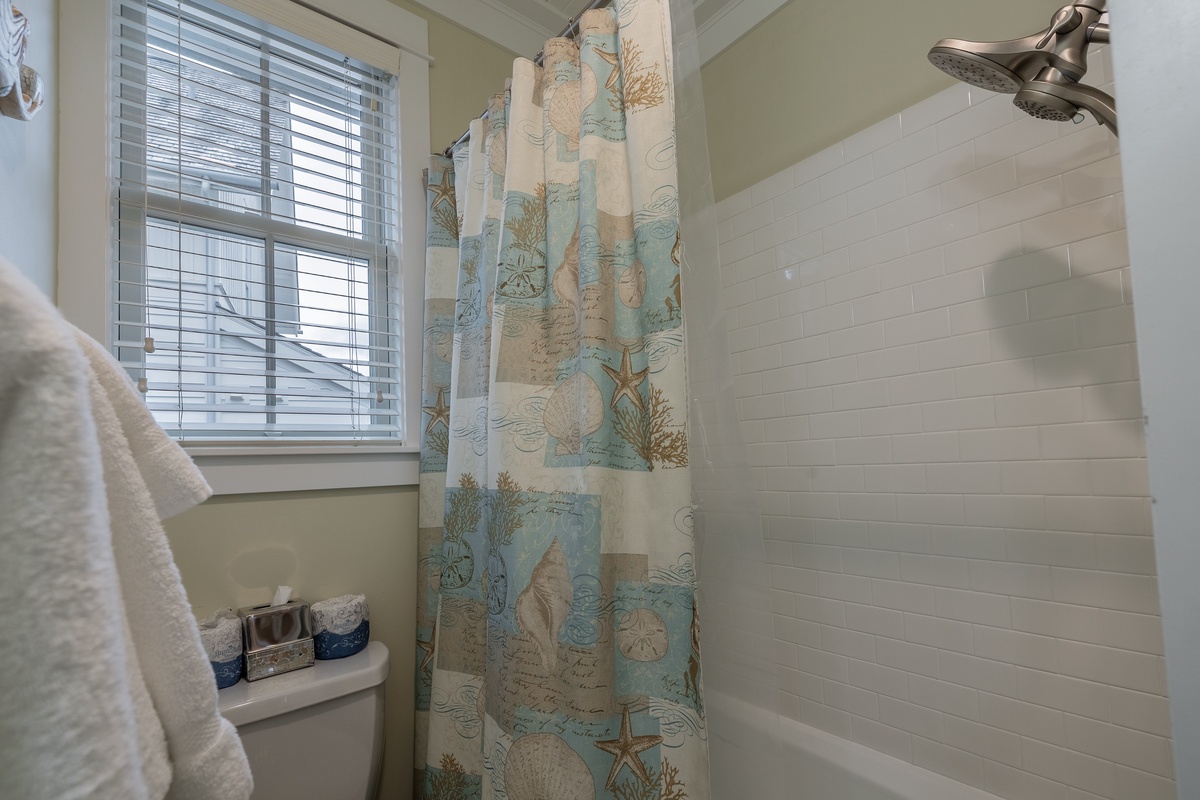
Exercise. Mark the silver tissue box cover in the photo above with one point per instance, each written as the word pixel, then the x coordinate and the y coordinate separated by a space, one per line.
pixel 277 639
pixel 279 659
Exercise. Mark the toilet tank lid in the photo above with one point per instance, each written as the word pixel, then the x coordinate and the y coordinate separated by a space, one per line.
pixel 246 702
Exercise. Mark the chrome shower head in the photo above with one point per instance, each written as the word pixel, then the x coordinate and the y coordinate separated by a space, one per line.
pixel 1043 70
pixel 1060 100
pixel 1041 105
pixel 974 69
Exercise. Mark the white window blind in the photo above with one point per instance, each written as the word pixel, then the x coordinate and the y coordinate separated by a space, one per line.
pixel 254 290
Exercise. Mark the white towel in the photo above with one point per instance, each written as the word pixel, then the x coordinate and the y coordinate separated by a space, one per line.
pixel 104 689
pixel 149 477
pixel 67 727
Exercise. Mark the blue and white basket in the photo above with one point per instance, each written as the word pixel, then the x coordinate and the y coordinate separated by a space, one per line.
pixel 221 635
pixel 341 626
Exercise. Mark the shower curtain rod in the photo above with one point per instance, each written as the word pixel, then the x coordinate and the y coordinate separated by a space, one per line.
pixel 570 29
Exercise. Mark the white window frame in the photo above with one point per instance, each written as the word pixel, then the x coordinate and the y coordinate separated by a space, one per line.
pixel 85 238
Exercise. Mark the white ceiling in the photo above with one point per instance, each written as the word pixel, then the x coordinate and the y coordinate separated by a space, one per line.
pixel 523 25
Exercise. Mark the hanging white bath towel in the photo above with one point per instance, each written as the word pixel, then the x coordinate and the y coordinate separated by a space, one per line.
pixel 104 688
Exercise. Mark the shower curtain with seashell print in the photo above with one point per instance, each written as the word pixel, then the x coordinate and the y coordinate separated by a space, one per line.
pixel 557 639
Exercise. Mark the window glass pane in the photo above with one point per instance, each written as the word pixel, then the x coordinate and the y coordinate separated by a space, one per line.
pixel 202 284
pixel 203 125
pixel 334 305
pixel 326 171
pixel 239 124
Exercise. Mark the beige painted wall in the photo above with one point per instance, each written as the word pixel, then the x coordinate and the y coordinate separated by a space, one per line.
pixel 467 70
pixel 816 71
pixel 234 550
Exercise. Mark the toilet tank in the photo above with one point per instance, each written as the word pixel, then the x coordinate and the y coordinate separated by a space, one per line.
pixel 316 732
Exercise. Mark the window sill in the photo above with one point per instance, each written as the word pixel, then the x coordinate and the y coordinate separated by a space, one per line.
pixel 248 469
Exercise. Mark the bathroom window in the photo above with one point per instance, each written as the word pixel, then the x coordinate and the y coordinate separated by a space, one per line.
pixel 255 282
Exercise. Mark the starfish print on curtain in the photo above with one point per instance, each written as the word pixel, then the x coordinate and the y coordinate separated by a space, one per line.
pixel 627 381
pixel 557 645
pixel 625 748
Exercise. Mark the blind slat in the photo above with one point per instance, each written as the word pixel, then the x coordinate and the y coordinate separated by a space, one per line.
pixel 155 325
pixel 160 347
pixel 373 317
pixel 273 433
pixel 289 403
pixel 238 388
pixel 231 355
pixel 369 398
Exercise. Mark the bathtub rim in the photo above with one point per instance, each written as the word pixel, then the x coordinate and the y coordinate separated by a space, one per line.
pixel 907 780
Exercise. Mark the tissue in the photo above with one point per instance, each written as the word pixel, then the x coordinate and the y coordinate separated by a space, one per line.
pixel 341 626
pixel 221 635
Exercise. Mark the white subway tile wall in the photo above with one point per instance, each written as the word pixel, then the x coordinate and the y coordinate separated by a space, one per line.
pixel 938 384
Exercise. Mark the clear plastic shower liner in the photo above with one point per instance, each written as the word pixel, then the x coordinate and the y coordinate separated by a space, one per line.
pixel 738 642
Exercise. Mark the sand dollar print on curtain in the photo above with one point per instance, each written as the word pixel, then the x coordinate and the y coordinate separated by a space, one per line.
pixel 557 646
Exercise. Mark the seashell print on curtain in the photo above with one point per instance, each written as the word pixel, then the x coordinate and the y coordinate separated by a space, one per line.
pixel 557 639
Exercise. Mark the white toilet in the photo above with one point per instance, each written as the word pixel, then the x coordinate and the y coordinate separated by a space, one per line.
pixel 316 732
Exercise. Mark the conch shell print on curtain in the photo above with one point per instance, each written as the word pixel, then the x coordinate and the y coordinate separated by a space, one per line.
pixel 557 639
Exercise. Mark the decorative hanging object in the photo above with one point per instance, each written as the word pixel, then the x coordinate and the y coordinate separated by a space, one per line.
pixel 22 91
pixel 14 30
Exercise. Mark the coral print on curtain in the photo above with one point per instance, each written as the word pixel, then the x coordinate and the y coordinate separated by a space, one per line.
pixel 557 634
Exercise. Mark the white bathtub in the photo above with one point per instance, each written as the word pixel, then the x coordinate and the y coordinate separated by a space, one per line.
pixel 758 755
